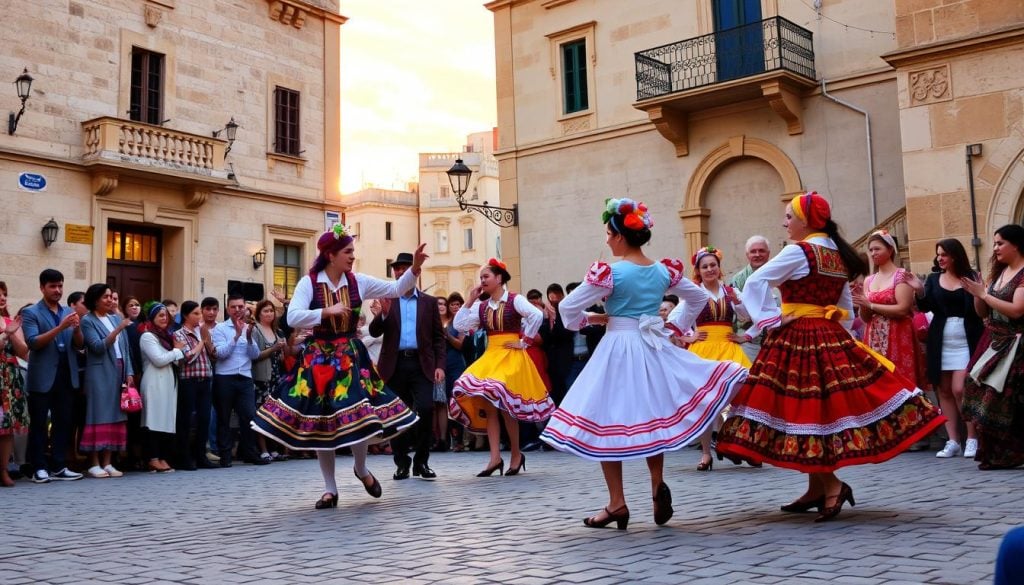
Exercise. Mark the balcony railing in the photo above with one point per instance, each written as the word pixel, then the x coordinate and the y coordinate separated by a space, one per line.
pixel 138 145
pixel 770 45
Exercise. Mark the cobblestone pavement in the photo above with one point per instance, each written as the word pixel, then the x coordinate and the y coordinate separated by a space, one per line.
pixel 917 520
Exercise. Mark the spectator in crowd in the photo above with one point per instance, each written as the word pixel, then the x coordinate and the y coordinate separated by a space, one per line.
pixel 992 394
pixel 558 345
pixel 267 366
pixel 132 309
pixel 758 252
pixel 584 341
pixel 159 388
pixel 172 308
pixel 536 298
pixel 76 301
pixel 455 363
pixel 952 337
pixel 107 369
pixel 233 387
pixel 195 389
pixel 52 334
pixel 668 303
pixel 13 403
pixel 372 343
pixel 412 360
pixel 210 309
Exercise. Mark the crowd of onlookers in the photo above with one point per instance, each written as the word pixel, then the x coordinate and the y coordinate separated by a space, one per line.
pixel 201 378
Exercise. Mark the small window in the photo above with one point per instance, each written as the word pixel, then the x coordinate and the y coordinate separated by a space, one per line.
pixel 286 121
pixel 574 76
pixel 146 103
pixel 387 230
pixel 387 267
pixel 132 245
pixel 444 193
pixel 467 239
pixel 441 237
pixel 287 267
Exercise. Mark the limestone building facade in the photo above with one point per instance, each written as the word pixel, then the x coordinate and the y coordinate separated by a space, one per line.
pixel 713 112
pixel 128 125
pixel 385 223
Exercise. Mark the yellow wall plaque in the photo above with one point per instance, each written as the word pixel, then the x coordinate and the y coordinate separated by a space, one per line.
pixel 78 234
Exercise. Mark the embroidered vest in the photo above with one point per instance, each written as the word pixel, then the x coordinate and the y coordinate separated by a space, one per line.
pixel 824 285
pixel 503 319
pixel 717 311
pixel 349 296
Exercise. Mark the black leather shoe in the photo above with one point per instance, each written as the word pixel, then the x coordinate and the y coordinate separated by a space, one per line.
pixel 204 463
pixel 224 462
pixel 373 489
pixel 423 471
pixel 401 473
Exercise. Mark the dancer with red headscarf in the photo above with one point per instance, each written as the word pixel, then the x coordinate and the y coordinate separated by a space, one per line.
pixel 816 399
pixel 505 378
pixel 333 396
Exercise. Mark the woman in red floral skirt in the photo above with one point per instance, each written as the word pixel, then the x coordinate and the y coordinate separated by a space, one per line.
pixel 816 399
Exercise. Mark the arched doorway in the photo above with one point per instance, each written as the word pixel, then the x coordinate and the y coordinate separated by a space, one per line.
pixel 744 197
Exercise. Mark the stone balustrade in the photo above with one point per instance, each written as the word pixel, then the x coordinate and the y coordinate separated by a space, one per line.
pixel 137 144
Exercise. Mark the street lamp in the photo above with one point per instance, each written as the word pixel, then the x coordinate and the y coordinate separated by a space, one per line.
pixel 230 130
pixel 49 232
pixel 458 177
pixel 23 85
pixel 259 258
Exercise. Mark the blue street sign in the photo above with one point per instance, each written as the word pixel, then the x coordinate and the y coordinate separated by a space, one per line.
pixel 32 182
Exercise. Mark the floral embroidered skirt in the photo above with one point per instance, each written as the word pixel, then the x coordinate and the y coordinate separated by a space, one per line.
pixel 815 401
pixel 332 397
pixel 505 378
pixel 13 399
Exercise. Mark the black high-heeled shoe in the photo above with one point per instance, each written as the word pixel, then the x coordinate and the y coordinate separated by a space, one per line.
pixel 663 505
pixel 705 465
pixel 620 517
pixel 800 505
pixel 830 512
pixel 374 488
pixel 515 470
pixel 500 468
pixel 328 500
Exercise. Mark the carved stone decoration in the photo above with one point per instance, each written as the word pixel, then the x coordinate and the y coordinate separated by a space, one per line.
pixel 672 125
pixel 287 13
pixel 575 125
pixel 786 103
pixel 929 86
pixel 195 197
pixel 103 184
pixel 153 15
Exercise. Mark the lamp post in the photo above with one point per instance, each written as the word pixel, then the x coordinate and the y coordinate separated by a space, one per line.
pixel 230 131
pixel 23 85
pixel 458 177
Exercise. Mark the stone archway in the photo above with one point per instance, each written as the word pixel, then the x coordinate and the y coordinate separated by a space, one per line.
pixel 1003 174
pixel 695 215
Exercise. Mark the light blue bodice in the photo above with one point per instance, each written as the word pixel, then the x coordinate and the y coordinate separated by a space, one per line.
pixel 638 289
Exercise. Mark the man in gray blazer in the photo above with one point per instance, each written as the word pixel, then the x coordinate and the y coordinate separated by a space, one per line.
pixel 52 333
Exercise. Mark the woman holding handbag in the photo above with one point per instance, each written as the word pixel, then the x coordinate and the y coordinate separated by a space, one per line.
pixel 107 368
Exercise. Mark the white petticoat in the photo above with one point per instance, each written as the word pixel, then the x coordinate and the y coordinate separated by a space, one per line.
pixel 639 395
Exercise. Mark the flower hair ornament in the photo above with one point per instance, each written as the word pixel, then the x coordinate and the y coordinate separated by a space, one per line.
pixel 633 214
pixel 706 251
pixel 340 231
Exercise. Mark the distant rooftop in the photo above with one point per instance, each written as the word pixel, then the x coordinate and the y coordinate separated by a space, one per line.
pixel 380 196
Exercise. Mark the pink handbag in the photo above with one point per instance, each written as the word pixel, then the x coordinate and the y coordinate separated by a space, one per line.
pixel 131 401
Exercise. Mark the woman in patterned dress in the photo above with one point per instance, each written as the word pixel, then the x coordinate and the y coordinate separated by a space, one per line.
pixel 713 337
pixel 13 401
pixel 994 392
pixel 817 399
pixel 333 396
pixel 639 396
pixel 505 378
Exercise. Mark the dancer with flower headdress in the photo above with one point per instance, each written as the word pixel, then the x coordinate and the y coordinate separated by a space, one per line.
pixel 334 397
pixel 639 395
pixel 505 378
pixel 713 337
pixel 817 399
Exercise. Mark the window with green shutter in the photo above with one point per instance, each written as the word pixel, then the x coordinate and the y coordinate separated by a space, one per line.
pixel 574 76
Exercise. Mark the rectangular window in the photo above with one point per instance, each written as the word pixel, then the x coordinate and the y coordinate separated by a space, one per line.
pixel 286 121
pixel 442 240
pixel 444 192
pixel 387 230
pixel 574 76
pixel 387 267
pixel 133 245
pixel 147 86
pixel 287 267
pixel 467 239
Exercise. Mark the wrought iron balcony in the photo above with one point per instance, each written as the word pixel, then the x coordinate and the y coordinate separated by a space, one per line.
pixel 116 147
pixel 771 60
pixel 770 45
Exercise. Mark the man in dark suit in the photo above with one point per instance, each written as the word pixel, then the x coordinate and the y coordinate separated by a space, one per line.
pixel 52 333
pixel 412 360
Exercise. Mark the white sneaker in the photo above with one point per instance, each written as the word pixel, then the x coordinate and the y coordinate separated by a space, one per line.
pixel 952 449
pixel 41 476
pixel 971 448
pixel 66 475
pixel 97 472
pixel 113 471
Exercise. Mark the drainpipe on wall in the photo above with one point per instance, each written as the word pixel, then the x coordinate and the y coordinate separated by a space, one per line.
pixel 867 131
pixel 973 150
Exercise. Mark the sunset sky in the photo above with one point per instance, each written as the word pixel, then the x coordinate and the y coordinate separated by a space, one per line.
pixel 416 76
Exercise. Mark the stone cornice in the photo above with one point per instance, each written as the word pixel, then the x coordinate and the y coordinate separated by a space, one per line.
pixel 945 49
pixel 293 12
pixel 499 4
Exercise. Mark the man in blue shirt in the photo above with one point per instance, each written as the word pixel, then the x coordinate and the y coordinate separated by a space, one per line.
pixel 233 387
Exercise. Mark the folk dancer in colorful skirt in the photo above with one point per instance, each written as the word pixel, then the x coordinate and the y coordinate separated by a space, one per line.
pixel 638 396
pixel 713 337
pixel 333 396
pixel 817 399
pixel 505 378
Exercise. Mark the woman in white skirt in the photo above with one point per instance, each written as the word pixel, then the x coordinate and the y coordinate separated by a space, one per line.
pixel 638 396
pixel 952 336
